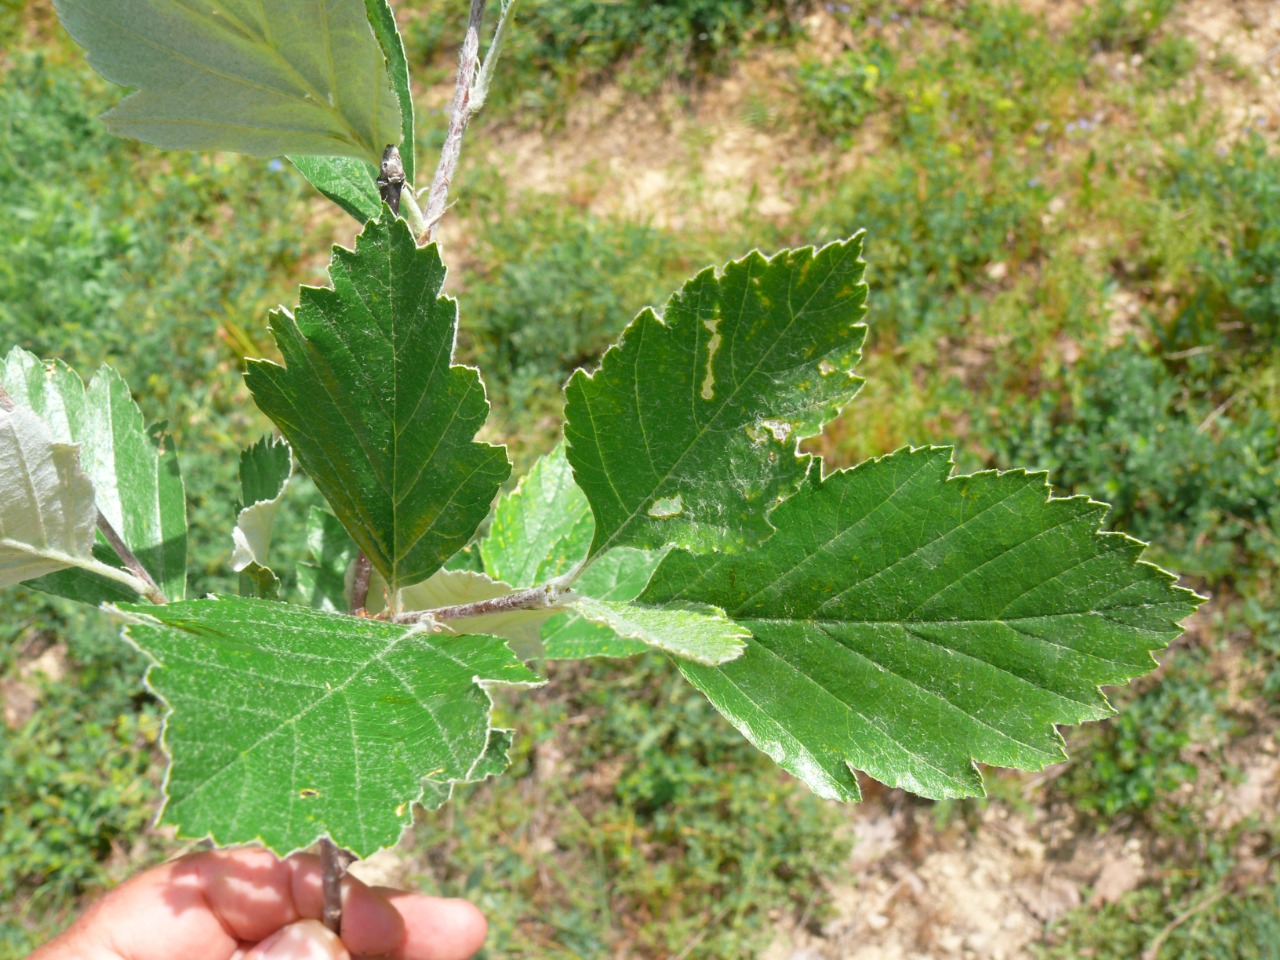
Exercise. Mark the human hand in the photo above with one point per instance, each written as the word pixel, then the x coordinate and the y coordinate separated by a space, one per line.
pixel 250 905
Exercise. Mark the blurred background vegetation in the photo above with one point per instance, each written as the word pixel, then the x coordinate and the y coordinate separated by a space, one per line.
pixel 1073 235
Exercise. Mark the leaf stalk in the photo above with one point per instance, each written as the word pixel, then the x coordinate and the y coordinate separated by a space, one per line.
pixel 152 589
pixel 470 93
pixel 546 595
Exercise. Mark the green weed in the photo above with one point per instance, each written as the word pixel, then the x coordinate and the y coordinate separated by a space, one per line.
pixel 1124 24
pixel 80 775
pixel 553 286
pixel 1198 482
pixel 1186 922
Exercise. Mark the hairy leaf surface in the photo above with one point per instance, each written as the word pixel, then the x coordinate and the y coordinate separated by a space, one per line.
pixel 287 724
pixel 135 475
pixel 265 77
pixel 907 624
pixel 687 433
pixel 374 409
pixel 47 512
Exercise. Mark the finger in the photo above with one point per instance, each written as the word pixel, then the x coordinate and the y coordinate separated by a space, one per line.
pixel 203 906
pixel 435 928
pixel 254 900
pixel 304 940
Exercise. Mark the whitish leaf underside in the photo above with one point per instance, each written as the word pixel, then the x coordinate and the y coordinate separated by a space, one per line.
pixel 264 77
pixel 47 514
pixel 136 481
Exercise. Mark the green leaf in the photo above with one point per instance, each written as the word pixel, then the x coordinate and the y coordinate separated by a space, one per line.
pixel 467 558
pixel 619 575
pixel 268 77
pixel 383 22
pixel 322 580
pixel 47 511
pixel 569 636
pixel 908 625
pixel 350 183
pixel 135 474
pixel 375 412
pixel 493 763
pixel 287 724
pixel 687 433
pixel 265 469
pixel 540 530
pixel 690 631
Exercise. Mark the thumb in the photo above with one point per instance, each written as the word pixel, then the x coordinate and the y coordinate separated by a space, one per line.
pixel 304 940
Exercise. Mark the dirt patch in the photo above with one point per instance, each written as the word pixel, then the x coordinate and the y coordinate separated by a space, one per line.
pixel 990 892
pixel 1239 71
pixel 668 160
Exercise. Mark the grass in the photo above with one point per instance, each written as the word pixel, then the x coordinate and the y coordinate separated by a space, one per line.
pixel 1068 273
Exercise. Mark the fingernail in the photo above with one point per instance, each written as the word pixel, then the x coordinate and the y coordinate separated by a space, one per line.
pixel 305 940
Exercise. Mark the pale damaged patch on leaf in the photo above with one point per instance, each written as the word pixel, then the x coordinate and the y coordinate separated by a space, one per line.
pixel 665 436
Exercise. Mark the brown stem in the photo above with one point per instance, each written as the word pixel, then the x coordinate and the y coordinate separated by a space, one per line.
pixel 131 561
pixel 468 65
pixel 529 599
pixel 334 863
pixel 360 584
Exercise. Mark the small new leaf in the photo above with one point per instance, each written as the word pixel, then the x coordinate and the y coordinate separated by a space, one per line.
pixel 287 724
pixel 689 631
pixel 687 433
pixel 910 625
pixel 619 575
pixel 375 411
pixel 542 530
pixel 268 77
